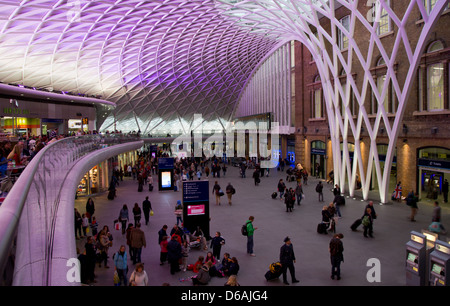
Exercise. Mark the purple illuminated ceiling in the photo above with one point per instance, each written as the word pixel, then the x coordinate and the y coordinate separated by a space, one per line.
pixel 159 61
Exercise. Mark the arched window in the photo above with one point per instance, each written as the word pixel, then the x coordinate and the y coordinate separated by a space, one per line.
pixel 380 78
pixel 317 99
pixel 432 79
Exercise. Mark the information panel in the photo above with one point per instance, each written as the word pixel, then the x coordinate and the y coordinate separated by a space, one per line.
pixel 196 206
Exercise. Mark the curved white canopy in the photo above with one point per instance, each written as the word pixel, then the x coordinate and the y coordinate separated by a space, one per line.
pixel 159 61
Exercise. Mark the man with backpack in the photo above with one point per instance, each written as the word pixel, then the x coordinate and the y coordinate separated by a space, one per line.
pixel 248 231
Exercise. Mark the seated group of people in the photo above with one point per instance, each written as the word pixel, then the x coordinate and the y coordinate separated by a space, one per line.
pixel 209 267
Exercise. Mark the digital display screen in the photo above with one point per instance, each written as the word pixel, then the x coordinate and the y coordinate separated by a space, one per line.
pixel 436 268
pixel 166 179
pixel 195 210
pixel 412 257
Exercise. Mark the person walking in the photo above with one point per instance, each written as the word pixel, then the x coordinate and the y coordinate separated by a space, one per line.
pixel 299 192
pixel 256 177
pixel 367 222
pixel 336 190
pixel 91 258
pixel 146 207
pixel 123 217
pixel 250 231
pixel 326 217
pixel 230 191
pixel 281 188
pixel 287 260
pixel 179 212
pixel 120 265
pixel 174 254
pixel 372 210
pixel 90 209
pixel 137 213
pixel 128 238
pixel 336 249
pixel 319 190
pixel 137 239
pixel 289 200
pixel 216 192
pixel 436 217
pixel 411 201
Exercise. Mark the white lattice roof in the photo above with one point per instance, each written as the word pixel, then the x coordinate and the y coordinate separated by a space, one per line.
pixel 159 61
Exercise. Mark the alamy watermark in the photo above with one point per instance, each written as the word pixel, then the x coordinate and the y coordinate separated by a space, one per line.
pixel 231 141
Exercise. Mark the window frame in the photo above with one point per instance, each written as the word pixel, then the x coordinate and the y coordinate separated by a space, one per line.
pixel 343 40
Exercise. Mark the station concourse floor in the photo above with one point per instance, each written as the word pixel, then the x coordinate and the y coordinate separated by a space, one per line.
pixel 313 268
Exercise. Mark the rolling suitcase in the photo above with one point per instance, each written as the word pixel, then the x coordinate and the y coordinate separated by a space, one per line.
pixel 355 224
pixel 140 188
pixel 275 271
pixel 270 276
pixel 150 187
pixel 322 228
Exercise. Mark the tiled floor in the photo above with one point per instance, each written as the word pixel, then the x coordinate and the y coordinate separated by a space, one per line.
pixel 391 233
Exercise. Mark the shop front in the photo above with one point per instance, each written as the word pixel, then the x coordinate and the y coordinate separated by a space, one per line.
pixel 318 160
pixel 433 168
pixel 126 159
pixel 21 126
pixel 95 181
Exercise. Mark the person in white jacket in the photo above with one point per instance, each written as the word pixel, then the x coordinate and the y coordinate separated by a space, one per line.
pixel 139 276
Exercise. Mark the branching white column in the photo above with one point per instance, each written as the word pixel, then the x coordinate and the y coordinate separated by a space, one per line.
pixel 302 20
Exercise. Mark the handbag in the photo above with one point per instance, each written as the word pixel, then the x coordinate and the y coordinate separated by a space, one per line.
pixel 221 193
pixel 151 213
pixel 116 278
pixel 118 226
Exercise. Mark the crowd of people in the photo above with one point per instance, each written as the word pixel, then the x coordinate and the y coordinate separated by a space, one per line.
pixel 176 244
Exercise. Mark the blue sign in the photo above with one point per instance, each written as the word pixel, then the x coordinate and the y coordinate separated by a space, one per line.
pixel 442 164
pixel 165 163
pixel 318 151
pixel 195 191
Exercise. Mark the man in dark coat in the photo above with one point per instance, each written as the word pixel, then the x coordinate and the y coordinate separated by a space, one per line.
pixel 146 207
pixel 336 249
pixel 287 260
pixel 174 254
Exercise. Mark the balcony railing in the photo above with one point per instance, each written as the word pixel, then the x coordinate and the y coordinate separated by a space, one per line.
pixel 29 213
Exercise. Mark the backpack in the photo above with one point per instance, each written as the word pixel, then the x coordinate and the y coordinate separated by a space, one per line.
pixel 244 230
pixel 365 221
pixel 275 267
